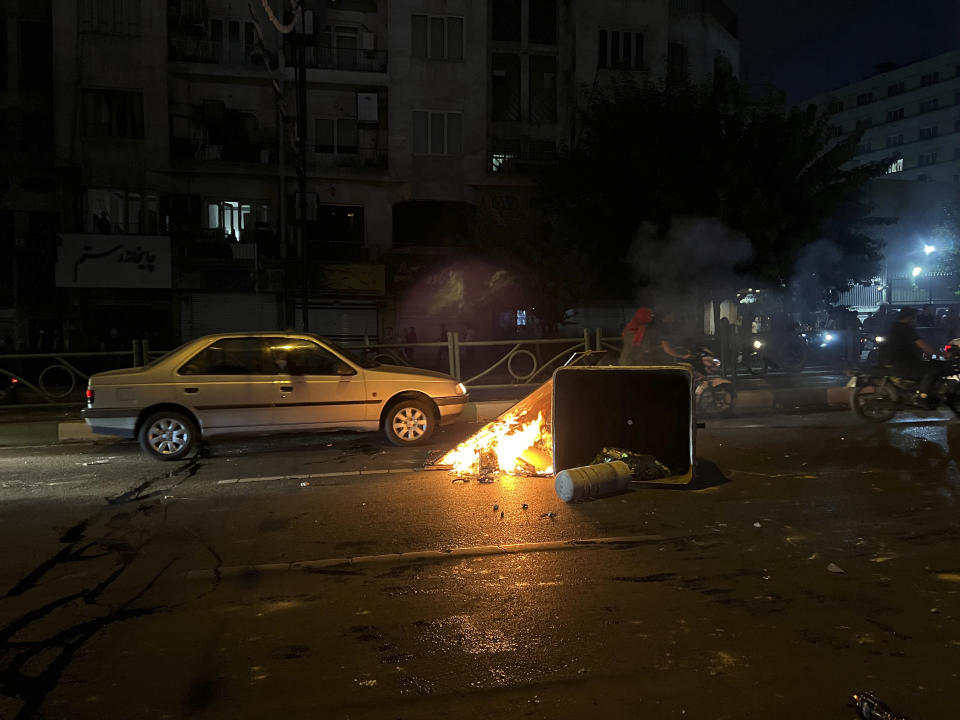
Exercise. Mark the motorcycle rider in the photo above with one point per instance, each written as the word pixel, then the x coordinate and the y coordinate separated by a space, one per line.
pixel 903 351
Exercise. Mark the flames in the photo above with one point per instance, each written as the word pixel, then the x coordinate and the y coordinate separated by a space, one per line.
pixel 516 443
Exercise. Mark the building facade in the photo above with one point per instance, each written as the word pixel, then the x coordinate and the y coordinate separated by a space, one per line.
pixel 215 166
pixel 910 116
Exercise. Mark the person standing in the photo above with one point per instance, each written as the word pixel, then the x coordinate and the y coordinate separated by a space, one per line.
pixel 635 351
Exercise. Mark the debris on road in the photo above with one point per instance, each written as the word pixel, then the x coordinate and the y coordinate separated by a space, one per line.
pixel 548 515
pixel 870 707
pixel 496 507
pixel 305 483
pixel 756 524
pixel 524 506
pixel 642 467
pixel 593 481
pixel 834 568
pixel 501 514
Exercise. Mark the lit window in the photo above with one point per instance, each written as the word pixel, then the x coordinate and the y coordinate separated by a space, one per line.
pixel 896 166
pixel 500 162
pixel 521 317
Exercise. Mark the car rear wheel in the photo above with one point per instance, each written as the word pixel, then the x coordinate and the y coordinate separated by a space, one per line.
pixel 168 435
pixel 410 422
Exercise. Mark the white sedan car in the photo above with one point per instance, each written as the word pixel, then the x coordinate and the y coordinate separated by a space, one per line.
pixel 270 382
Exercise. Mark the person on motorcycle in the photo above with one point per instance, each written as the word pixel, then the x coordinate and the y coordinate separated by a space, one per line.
pixel 903 352
pixel 665 341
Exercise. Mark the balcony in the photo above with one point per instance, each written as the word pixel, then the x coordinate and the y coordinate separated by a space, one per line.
pixel 346 59
pixel 192 49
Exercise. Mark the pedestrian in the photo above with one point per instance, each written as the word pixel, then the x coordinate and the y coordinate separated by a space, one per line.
pixel 634 350
pixel 410 337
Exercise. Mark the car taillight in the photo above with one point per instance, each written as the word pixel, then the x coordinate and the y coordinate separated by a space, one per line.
pixel 90 396
pixel 14 381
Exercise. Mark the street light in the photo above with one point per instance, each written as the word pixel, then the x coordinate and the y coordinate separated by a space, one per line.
pixel 927 249
pixel 917 271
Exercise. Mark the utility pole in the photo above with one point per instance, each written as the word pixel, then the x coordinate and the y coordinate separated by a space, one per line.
pixel 302 165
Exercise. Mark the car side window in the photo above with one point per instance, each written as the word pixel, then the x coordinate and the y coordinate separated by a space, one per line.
pixel 231 356
pixel 302 357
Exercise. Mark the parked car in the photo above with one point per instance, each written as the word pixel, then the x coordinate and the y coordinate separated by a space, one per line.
pixel 270 382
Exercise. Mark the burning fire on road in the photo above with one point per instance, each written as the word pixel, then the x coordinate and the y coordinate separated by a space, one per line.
pixel 516 443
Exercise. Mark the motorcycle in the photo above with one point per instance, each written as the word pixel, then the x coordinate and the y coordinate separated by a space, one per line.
pixel 714 394
pixel 878 395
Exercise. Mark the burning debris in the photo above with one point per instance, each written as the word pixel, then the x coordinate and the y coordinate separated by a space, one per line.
pixel 516 443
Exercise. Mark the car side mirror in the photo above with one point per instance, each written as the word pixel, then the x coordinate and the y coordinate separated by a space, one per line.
pixel 344 370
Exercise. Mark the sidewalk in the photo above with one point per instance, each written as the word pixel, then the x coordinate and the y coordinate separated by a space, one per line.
pixel 44 425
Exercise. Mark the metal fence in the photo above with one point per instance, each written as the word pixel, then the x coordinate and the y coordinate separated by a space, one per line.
pixel 61 377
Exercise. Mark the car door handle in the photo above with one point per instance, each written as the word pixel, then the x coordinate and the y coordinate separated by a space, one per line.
pixel 191 390
pixel 286 388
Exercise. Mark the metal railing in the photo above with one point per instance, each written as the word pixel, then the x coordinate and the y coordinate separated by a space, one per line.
pixel 61 377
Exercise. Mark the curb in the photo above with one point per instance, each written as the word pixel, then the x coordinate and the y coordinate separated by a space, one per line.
pixel 47 432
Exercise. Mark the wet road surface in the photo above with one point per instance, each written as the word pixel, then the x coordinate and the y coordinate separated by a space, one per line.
pixel 812 556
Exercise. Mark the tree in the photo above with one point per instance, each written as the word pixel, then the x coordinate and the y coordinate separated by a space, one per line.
pixel 648 155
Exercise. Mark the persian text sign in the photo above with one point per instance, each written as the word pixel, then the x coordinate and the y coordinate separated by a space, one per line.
pixel 113 261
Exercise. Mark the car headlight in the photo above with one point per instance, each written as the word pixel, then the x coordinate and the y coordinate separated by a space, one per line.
pixel 828 337
pixel 461 390
pixel 878 339
pixel 757 344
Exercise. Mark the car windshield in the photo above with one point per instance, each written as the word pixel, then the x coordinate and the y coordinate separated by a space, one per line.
pixel 361 356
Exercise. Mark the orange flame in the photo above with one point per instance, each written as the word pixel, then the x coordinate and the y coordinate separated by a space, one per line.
pixel 519 440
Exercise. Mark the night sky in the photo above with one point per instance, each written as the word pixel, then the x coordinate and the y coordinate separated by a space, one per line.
pixel 810 46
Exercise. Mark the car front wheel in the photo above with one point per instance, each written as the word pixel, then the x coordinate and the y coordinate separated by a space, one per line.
pixel 168 435
pixel 410 422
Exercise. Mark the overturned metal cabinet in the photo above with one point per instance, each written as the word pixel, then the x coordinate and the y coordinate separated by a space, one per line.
pixel 648 409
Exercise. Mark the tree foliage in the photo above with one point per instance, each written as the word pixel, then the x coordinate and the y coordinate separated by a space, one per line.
pixel 648 155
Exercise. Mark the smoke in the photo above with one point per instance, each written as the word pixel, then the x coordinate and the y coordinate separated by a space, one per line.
pixel 695 260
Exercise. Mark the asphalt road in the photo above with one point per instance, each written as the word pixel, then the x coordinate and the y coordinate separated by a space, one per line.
pixel 811 557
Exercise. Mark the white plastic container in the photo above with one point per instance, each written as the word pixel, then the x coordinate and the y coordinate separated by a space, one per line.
pixel 592 481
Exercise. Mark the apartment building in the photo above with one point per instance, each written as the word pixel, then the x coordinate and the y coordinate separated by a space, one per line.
pixel 911 117
pixel 177 149
pixel 910 112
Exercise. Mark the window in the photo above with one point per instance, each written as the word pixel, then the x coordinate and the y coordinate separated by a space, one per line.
pixel 36 56
pixel 231 41
pixel 678 63
pixel 927 158
pixel 437 132
pixel 505 87
pixel 834 131
pixel 542 22
pixel 506 20
pixel 894 89
pixel 863 123
pixel 294 356
pixel 863 148
pixel 337 136
pixel 543 88
pixel 343 42
pixel 231 356
pixel 865 98
pixel 340 223
pixel 894 140
pixel 235 218
pixel 113 114
pixel 928 132
pixel 893 115
pixel 620 49
pixel 110 17
pixel 896 166
pixel 929 79
pixel 929 105
pixel 437 38
pixel 836 106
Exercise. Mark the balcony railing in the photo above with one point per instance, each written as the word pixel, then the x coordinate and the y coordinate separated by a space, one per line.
pixel 183 48
pixel 348 59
